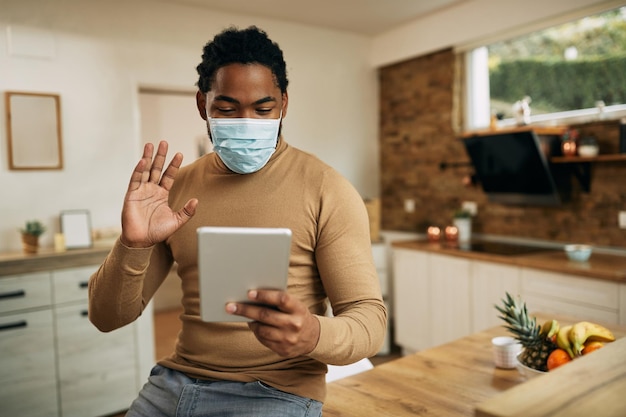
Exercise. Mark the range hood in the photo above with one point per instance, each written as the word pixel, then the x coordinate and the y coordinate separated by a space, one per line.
pixel 512 166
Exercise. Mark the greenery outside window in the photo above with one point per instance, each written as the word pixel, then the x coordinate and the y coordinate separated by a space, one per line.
pixel 573 72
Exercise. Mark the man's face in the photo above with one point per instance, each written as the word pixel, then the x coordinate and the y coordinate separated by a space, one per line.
pixel 243 91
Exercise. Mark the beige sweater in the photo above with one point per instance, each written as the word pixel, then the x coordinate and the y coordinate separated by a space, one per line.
pixel 330 257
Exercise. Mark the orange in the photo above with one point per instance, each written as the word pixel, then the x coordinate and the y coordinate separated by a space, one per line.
pixel 591 346
pixel 557 358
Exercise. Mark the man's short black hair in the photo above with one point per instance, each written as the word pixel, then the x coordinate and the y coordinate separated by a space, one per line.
pixel 247 46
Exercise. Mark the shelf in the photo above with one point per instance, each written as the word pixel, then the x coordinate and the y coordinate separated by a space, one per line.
pixel 577 159
pixel 539 131
pixel 580 166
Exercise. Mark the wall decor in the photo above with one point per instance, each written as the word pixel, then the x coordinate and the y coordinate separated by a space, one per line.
pixel 34 137
pixel 76 228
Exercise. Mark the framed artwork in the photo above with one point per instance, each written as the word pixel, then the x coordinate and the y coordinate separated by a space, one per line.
pixel 34 138
pixel 76 228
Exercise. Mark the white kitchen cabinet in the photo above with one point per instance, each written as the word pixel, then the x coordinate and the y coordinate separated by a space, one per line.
pixel 379 253
pixel 411 300
pixel 54 361
pixel 584 298
pixel 438 298
pixel 28 376
pixel 490 282
pixel 431 299
pixel 27 367
pixel 26 291
pixel 450 300
pixel 97 371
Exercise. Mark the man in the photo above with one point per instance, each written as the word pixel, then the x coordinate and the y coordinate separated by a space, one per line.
pixel 276 364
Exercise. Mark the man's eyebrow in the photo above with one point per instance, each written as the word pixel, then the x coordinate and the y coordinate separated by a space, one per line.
pixel 235 101
pixel 265 100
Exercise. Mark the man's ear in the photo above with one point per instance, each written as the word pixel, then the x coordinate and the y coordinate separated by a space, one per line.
pixel 285 103
pixel 201 104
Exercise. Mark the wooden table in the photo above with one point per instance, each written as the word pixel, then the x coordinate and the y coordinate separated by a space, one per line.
pixel 448 380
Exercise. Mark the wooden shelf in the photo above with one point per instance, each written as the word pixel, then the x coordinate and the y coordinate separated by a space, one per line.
pixel 539 131
pixel 600 158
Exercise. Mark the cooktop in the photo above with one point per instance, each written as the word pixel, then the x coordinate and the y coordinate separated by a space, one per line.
pixel 501 248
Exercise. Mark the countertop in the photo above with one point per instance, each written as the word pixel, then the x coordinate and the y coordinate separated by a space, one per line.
pixel 47 259
pixel 603 266
pixel 455 378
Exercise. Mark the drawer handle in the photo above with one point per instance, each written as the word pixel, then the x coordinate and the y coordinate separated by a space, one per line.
pixel 12 294
pixel 84 313
pixel 83 284
pixel 14 325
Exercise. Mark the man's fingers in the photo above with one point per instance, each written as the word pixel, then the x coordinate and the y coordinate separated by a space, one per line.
pixel 188 210
pixel 170 173
pixel 136 178
pixel 159 162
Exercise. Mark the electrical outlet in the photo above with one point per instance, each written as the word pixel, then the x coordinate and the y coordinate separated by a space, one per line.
pixel 470 206
pixel 409 205
pixel 621 219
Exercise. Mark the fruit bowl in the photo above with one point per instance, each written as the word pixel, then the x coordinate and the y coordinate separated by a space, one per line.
pixel 578 253
pixel 527 371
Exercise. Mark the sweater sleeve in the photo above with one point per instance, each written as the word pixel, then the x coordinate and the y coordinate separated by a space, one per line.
pixel 125 283
pixel 346 267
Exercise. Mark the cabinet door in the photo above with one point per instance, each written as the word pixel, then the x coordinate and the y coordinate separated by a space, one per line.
pixel 584 298
pixel 97 371
pixel 490 283
pixel 22 292
pixel 71 284
pixel 411 300
pixel 27 372
pixel 450 298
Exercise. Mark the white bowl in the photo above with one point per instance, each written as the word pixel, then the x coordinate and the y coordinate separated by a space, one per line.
pixel 587 150
pixel 578 253
pixel 526 371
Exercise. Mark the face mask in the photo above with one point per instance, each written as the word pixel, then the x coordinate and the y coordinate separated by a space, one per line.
pixel 244 145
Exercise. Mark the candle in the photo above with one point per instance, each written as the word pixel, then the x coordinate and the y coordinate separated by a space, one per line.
pixel 59 242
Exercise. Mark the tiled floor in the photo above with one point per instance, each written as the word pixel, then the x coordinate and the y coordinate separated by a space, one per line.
pixel 167 325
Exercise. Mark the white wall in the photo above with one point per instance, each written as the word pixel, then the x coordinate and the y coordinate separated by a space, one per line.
pixel 103 52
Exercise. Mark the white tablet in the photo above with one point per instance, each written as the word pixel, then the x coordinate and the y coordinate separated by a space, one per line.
pixel 234 260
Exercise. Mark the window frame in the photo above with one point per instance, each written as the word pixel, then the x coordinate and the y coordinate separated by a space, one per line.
pixel 476 102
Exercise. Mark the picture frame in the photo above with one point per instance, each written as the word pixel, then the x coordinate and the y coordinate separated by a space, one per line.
pixel 33 123
pixel 76 229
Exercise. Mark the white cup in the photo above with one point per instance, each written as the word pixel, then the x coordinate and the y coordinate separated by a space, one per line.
pixel 505 351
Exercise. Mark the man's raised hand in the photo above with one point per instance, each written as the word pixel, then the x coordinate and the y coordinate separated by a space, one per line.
pixel 147 218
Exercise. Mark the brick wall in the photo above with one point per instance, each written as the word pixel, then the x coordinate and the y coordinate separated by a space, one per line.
pixel 416 135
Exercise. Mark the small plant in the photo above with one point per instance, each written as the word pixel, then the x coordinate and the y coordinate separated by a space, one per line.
pixel 34 228
pixel 462 214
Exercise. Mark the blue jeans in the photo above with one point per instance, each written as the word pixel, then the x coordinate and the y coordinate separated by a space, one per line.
pixel 170 393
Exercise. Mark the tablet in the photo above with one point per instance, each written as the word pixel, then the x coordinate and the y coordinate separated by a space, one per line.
pixel 234 260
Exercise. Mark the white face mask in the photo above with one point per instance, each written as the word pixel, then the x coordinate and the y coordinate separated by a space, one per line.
pixel 244 145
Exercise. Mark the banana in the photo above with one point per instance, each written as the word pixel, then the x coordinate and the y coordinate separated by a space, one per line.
pixel 550 329
pixel 562 340
pixel 584 331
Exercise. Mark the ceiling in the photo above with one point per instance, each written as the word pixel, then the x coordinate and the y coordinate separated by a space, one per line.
pixel 367 17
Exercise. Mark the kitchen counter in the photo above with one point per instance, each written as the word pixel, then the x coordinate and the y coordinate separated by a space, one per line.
pixel 603 266
pixel 47 259
pixel 457 377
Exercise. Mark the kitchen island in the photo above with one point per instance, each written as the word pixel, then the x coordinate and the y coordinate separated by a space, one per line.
pixel 446 381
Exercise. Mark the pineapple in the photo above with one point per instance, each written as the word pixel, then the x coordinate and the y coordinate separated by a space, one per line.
pixel 537 347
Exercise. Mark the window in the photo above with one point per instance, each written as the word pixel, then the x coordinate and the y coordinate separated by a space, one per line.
pixel 572 72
